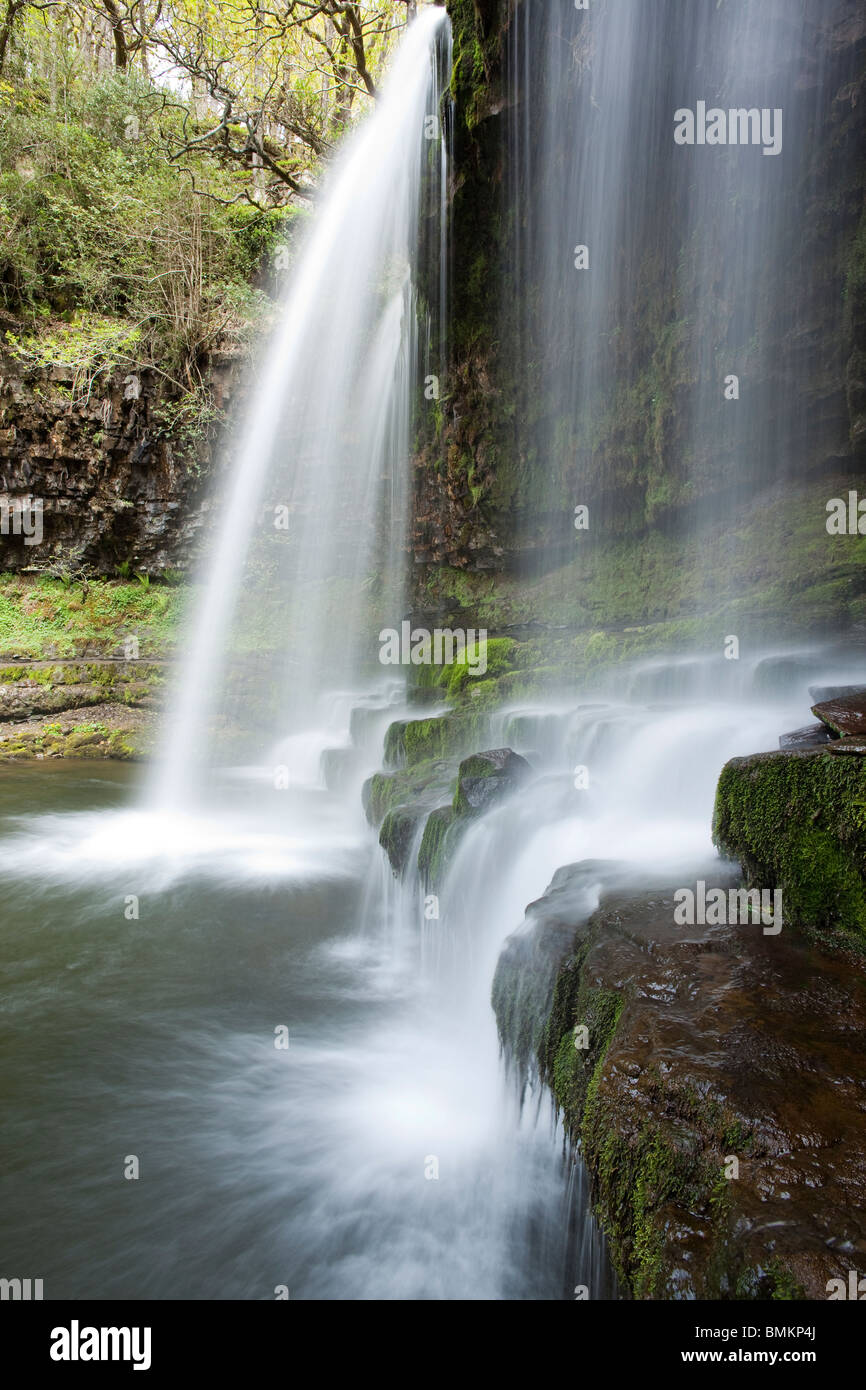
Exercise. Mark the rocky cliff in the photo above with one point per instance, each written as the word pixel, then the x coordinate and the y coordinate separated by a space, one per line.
pixel 118 464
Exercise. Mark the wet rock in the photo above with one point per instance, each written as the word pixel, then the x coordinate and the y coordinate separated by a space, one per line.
pixel 113 484
pixel 412 741
pixel 438 843
pixel 422 787
pixel 397 836
pixel 32 688
pixel 809 737
pixel 484 778
pixel 795 821
pixel 845 715
pixel 702 1045
pixel 523 983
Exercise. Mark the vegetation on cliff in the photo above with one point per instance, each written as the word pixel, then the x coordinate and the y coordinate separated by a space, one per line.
pixel 154 159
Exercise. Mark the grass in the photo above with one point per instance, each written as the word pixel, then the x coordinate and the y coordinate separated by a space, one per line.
pixel 42 617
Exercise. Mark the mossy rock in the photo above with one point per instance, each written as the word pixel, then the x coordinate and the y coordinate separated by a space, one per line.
pixel 575 999
pixel 484 778
pixel 422 787
pixel 414 741
pixel 397 835
pixel 442 831
pixel 796 820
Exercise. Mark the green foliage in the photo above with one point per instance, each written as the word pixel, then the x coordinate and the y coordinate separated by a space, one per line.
pixel 106 254
pixel 46 618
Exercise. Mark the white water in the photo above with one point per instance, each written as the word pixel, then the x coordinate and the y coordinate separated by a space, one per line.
pixel 326 439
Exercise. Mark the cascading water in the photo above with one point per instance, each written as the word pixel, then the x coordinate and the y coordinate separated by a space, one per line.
pixel 310 531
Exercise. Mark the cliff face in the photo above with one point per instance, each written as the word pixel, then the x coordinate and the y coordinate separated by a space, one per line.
pixel 464 446
pixel 647 443
pixel 118 465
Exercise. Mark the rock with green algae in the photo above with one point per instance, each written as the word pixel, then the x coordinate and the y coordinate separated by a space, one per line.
pixel 713 1078
pixel 438 843
pixel 482 780
pixel 397 802
pixel 451 735
pixel 397 835
pixel 422 786
pixel 796 820
pixel 485 778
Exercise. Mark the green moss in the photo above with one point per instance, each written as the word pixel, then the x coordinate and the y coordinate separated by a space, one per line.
pixel 411 742
pixel 397 834
pixel 797 821
pixel 394 751
pixel 454 677
pixel 417 786
pixel 87 740
pixel 440 838
pixel 45 617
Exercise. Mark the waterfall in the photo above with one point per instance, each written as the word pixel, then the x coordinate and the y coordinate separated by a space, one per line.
pixel 654 271
pixel 308 554
pixel 310 1068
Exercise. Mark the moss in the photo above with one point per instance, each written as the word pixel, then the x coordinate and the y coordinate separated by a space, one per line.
pixel 42 617
pixel 418 786
pixel 411 742
pixel 797 821
pixel 441 834
pixel 397 835
pixel 455 676
pixel 573 1072
pixel 394 751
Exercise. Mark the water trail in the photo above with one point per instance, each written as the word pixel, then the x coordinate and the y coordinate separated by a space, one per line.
pixel 309 534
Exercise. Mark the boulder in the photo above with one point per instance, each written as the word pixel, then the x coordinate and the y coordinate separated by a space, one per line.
pixel 794 820
pixel 485 778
